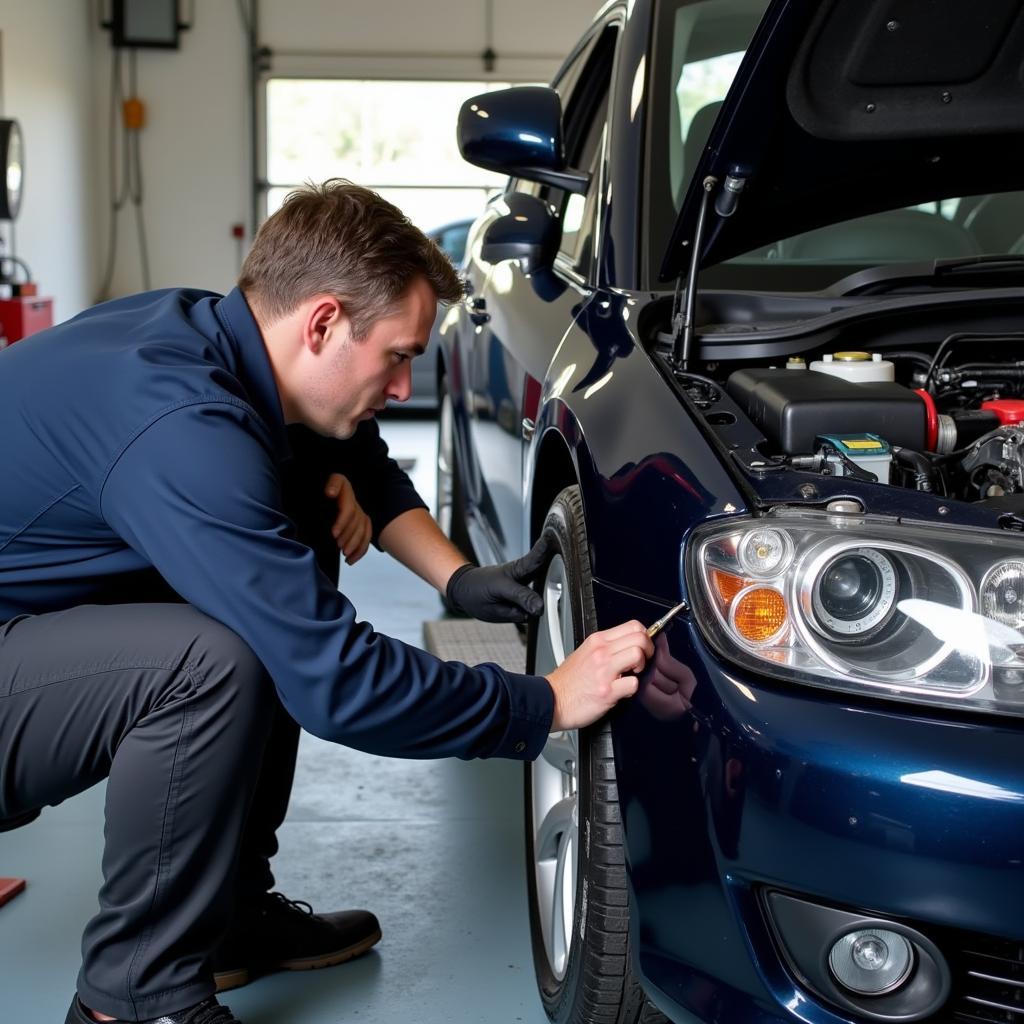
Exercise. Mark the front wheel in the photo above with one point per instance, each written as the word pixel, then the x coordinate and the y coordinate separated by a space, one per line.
pixel 576 875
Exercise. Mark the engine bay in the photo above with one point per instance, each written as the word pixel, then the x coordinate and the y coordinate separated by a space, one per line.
pixel 945 418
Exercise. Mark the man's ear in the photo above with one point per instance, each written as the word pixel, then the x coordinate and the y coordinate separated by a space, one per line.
pixel 325 316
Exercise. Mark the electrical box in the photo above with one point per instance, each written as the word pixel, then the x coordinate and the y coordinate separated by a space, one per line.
pixel 150 23
pixel 23 315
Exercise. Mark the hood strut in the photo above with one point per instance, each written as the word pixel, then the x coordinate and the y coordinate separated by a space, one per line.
pixel 682 319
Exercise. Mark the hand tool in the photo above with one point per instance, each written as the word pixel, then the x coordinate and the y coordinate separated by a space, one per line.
pixel 656 627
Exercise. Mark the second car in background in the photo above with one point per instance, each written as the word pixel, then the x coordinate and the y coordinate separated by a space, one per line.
pixel 452 240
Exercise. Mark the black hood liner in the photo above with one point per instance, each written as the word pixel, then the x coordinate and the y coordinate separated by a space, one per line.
pixel 843 108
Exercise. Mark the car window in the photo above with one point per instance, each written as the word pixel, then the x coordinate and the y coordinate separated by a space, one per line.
pixel 568 76
pixel 585 116
pixel 578 211
pixel 452 241
pixel 564 83
pixel 697 50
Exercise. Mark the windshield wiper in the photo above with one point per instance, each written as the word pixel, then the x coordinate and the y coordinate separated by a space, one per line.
pixel 1006 269
pixel 994 263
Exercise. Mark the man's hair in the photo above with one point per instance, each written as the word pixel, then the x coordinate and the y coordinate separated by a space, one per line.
pixel 344 240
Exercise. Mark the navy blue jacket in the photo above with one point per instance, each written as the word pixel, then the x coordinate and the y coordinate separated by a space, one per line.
pixel 147 433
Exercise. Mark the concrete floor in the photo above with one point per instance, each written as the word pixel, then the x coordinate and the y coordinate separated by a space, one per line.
pixel 434 848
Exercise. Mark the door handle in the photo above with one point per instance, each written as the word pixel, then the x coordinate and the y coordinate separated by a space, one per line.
pixel 478 311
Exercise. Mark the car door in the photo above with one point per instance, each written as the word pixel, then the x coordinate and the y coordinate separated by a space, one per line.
pixel 520 318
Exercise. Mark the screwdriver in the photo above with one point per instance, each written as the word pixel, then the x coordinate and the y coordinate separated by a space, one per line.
pixel 656 627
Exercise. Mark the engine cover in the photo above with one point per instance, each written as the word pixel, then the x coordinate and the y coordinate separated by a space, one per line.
pixel 793 407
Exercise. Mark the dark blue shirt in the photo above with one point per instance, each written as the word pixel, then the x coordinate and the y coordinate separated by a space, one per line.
pixel 147 433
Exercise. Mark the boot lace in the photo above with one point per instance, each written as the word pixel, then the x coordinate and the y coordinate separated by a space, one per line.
pixel 211 1012
pixel 299 906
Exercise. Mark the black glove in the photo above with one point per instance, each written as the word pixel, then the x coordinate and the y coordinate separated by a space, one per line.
pixel 495 593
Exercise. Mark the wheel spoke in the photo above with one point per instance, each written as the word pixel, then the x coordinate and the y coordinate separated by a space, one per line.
pixel 561 750
pixel 556 823
pixel 445 451
pixel 561 913
pixel 553 622
pixel 567 630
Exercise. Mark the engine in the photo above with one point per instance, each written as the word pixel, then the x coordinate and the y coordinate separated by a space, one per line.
pixel 910 419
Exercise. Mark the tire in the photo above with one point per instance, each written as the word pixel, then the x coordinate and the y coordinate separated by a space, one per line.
pixel 451 514
pixel 575 863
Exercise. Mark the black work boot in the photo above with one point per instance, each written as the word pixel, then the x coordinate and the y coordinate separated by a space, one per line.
pixel 209 1011
pixel 274 933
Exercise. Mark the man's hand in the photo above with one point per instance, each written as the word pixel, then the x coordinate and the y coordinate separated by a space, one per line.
pixel 496 593
pixel 352 529
pixel 598 674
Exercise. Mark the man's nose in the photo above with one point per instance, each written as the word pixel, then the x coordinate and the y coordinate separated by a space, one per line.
pixel 400 385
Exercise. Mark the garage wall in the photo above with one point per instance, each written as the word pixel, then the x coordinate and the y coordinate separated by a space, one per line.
pixel 519 29
pixel 194 147
pixel 47 84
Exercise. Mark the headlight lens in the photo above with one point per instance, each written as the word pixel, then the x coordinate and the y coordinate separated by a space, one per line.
pixel 854 594
pixel 906 611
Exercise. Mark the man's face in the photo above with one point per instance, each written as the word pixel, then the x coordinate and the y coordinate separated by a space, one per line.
pixel 351 380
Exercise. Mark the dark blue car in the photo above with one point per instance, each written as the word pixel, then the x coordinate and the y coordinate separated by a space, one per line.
pixel 746 331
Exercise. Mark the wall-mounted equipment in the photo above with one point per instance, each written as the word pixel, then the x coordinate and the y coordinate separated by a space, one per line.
pixel 145 23
pixel 12 158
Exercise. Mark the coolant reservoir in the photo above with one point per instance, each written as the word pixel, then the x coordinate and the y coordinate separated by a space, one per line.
pixel 858 367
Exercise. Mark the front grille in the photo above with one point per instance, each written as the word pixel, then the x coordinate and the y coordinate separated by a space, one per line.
pixel 988 982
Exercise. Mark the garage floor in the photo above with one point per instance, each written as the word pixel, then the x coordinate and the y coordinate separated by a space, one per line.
pixel 434 848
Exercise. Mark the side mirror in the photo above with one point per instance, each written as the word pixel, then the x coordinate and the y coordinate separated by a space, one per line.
pixel 518 132
pixel 527 230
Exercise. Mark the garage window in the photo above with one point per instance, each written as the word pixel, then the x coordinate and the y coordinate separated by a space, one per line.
pixel 396 137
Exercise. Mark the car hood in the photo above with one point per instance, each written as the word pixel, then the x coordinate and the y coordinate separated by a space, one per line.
pixel 843 108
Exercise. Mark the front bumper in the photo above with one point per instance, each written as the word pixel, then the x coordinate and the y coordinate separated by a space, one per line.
pixel 740 785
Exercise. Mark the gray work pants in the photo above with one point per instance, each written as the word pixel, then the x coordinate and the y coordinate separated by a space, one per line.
pixel 174 710
pixel 181 718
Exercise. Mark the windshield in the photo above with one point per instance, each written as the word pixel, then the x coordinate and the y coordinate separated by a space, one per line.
pixel 699 47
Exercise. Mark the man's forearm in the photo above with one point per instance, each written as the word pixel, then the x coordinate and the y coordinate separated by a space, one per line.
pixel 419 544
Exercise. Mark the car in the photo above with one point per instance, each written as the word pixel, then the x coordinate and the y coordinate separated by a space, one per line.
pixel 451 238
pixel 743 331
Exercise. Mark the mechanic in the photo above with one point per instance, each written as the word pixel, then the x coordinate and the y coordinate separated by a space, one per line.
pixel 155 593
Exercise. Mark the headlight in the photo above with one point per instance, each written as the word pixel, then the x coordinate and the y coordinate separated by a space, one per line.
pixel 854 594
pixel 907 611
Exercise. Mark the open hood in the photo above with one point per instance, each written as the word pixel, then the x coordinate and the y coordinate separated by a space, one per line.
pixel 843 108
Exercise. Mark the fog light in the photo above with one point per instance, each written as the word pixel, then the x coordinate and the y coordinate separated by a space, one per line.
pixel 871 962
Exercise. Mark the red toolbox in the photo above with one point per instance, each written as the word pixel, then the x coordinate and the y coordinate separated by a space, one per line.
pixel 23 315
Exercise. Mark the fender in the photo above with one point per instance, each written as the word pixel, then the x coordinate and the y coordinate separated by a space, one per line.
pixel 638 493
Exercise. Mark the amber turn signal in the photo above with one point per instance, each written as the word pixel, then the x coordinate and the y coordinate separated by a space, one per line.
pixel 760 614
pixel 727 586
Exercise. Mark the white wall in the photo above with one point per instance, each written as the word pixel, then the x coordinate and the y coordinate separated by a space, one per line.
pixel 195 144
pixel 47 78
pixel 194 154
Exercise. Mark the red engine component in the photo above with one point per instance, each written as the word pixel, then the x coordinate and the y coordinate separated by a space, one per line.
pixel 931 419
pixel 1009 410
